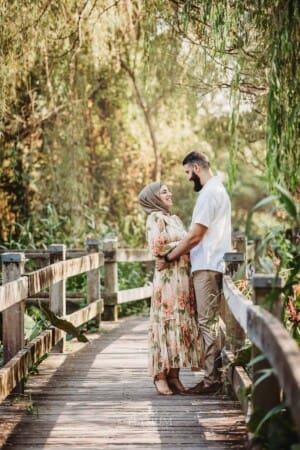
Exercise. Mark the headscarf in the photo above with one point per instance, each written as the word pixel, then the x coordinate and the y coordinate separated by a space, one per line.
pixel 149 198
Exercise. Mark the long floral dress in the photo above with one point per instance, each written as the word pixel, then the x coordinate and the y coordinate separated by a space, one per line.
pixel 174 339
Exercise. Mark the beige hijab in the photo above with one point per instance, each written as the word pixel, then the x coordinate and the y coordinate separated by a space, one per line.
pixel 149 198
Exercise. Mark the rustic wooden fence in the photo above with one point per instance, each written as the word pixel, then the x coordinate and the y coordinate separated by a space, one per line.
pixel 258 321
pixel 241 318
pixel 48 283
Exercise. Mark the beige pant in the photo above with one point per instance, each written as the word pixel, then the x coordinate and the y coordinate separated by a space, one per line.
pixel 208 285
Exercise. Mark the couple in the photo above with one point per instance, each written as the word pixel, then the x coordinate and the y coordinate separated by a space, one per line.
pixel 176 340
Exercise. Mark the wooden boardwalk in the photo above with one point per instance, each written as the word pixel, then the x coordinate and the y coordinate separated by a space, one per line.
pixel 99 396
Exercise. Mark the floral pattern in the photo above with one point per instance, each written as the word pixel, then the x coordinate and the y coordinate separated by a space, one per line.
pixel 174 339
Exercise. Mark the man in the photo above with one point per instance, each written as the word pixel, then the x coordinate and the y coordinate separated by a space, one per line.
pixel 208 239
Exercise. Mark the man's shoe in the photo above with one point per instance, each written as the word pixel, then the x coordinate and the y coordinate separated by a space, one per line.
pixel 202 388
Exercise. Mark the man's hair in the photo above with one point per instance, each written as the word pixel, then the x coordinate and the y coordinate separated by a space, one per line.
pixel 197 157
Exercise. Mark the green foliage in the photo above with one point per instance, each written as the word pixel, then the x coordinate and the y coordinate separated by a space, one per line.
pixel 137 308
pixel 40 231
pixel 34 370
pixel 279 250
pixel 274 430
pixel 34 322
pixel 132 275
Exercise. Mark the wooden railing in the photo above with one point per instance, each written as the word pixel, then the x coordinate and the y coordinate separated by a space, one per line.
pixel 241 317
pixel 18 288
pixel 258 321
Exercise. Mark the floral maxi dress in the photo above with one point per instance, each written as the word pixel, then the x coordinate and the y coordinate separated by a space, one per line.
pixel 174 339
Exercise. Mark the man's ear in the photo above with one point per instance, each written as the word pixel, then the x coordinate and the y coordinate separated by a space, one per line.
pixel 197 168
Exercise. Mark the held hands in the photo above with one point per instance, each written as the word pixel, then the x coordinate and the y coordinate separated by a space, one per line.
pixel 161 263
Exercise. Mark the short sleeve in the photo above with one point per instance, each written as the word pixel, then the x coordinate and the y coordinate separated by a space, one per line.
pixel 204 213
pixel 157 236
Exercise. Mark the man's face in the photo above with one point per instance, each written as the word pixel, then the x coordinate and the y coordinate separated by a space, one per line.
pixel 192 176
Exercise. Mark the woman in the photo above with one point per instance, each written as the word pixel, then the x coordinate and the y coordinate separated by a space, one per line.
pixel 174 340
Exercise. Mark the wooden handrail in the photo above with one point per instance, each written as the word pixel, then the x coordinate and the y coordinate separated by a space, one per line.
pixel 15 292
pixel 19 359
pixel 268 334
pixel 260 326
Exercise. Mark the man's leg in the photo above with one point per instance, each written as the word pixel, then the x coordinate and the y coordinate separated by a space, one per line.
pixel 207 285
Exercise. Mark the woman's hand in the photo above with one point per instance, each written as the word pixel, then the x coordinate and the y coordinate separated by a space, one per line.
pixel 186 258
pixel 160 264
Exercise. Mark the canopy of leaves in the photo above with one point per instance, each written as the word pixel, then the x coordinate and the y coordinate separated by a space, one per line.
pixel 100 97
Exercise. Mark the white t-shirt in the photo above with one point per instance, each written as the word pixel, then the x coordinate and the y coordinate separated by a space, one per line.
pixel 213 210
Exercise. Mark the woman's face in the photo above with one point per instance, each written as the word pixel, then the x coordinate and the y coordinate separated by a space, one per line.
pixel 165 196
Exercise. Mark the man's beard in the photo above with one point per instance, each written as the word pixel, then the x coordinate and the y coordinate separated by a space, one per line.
pixel 197 183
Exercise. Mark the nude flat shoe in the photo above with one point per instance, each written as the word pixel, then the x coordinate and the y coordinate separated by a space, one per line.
pixel 162 387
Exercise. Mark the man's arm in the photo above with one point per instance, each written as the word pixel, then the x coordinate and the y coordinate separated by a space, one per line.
pixel 194 236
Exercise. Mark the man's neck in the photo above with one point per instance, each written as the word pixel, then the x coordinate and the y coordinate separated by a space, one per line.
pixel 206 176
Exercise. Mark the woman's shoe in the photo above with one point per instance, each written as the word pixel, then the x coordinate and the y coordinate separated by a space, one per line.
pixel 162 386
pixel 176 386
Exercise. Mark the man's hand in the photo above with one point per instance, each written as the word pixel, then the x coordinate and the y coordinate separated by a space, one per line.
pixel 160 264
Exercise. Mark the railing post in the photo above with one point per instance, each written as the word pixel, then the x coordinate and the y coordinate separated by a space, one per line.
pixel 93 291
pixel 110 246
pixel 234 333
pixel 57 292
pixel 13 317
pixel 266 394
pixel 240 245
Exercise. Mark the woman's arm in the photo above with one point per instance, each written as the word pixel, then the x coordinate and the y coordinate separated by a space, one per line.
pixel 157 236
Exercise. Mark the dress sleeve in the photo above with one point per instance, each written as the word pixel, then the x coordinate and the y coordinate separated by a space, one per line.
pixel 157 236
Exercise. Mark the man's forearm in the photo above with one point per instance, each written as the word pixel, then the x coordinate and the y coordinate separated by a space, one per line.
pixel 182 248
pixel 191 240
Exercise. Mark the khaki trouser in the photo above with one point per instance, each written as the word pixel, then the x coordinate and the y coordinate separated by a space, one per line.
pixel 208 285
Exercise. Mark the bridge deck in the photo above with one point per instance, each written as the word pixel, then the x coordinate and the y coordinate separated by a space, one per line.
pixel 99 396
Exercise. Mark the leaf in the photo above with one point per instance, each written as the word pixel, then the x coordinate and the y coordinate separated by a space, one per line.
pixel 256 360
pixel 243 356
pixel 266 373
pixel 264 201
pixel 29 326
pixel 287 201
pixel 270 414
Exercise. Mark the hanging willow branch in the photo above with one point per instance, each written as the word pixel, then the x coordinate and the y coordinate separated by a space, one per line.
pixel 263 38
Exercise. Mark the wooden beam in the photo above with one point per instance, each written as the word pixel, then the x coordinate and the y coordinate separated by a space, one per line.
pixel 93 290
pixel 18 367
pixel 13 292
pixel 268 334
pixel 130 295
pixel 83 315
pixel 110 246
pixel 239 380
pixel 43 278
pixel 133 255
pixel 236 301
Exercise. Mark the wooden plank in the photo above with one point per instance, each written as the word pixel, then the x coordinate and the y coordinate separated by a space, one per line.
pixel 43 278
pixel 101 396
pixel 133 255
pixel 130 295
pixel 237 302
pixel 239 381
pixel 13 292
pixel 85 314
pixel 76 300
